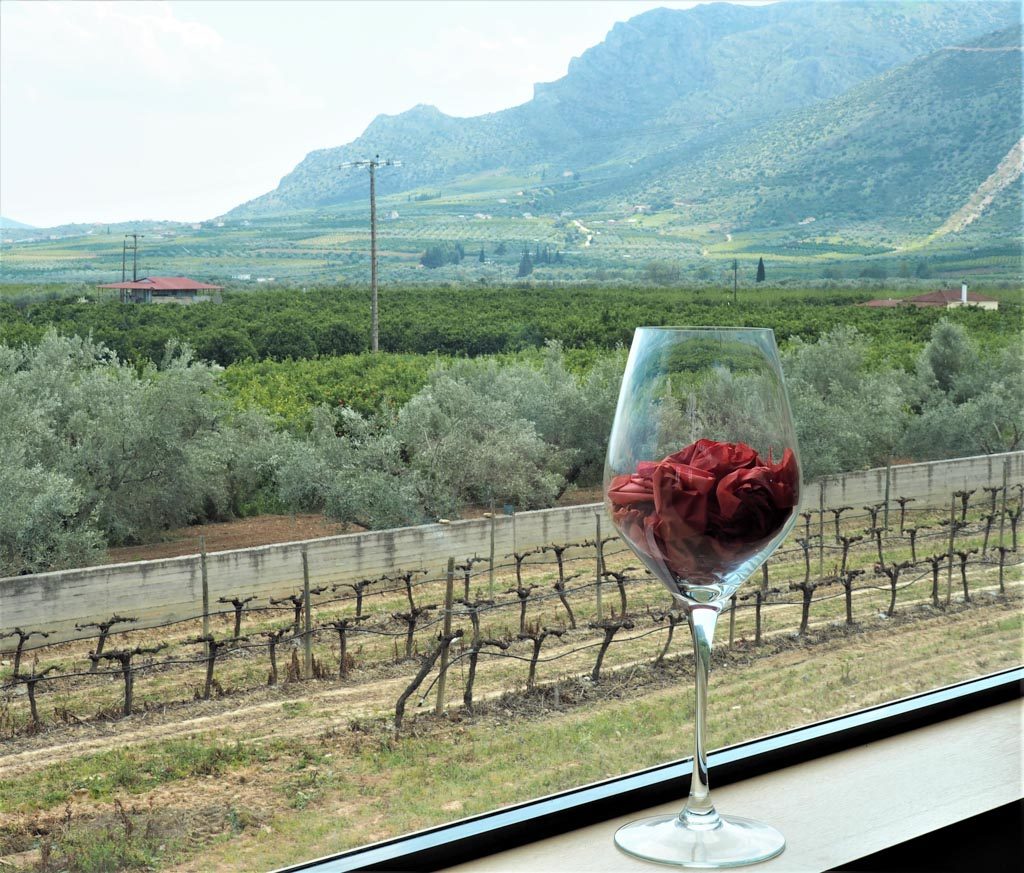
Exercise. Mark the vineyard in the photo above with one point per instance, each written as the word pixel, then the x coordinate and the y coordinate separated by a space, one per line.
pixel 553 628
pixel 560 604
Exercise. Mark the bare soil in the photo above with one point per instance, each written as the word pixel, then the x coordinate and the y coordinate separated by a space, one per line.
pixel 242 533
pixel 263 530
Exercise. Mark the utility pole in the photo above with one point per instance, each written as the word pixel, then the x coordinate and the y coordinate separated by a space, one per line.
pixel 135 254
pixel 735 267
pixel 124 260
pixel 372 165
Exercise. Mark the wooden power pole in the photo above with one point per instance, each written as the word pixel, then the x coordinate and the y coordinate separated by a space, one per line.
pixel 372 165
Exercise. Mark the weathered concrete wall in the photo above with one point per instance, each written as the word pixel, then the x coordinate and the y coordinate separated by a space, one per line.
pixel 171 588
pixel 156 591
pixel 930 484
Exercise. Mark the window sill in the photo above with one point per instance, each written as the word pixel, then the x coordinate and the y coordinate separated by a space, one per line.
pixel 836 809
pixel 839 790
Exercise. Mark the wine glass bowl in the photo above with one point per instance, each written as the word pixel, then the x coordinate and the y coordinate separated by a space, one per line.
pixel 702 481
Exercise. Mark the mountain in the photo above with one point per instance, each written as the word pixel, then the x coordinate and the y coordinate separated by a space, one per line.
pixel 912 145
pixel 663 90
pixel 6 223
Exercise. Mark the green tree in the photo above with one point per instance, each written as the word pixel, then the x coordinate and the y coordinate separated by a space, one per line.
pixel 441 254
pixel 874 271
pixel 43 522
pixel 129 452
pixel 350 467
pixel 468 447
pixel 525 265
pixel 948 360
pixel 225 346
pixel 847 416
pixel 288 336
pixel 662 272
pixel 338 337
pixel 964 403
pixel 760 270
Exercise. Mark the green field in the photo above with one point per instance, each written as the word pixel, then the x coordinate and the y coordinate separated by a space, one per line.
pixel 330 246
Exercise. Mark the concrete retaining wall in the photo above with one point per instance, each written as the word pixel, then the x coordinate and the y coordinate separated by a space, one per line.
pixel 168 589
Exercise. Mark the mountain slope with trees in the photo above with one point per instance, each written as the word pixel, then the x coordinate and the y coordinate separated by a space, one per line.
pixel 660 91
pixel 912 146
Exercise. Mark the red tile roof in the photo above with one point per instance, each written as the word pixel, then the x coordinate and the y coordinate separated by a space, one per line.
pixel 932 298
pixel 948 295
pixel 164 283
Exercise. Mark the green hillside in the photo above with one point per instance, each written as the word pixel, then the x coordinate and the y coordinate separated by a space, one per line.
pixel 663 87
pixel 908 147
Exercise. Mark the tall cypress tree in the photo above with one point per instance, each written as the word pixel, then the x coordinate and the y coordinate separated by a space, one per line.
pixel 760 270
pixel 525 264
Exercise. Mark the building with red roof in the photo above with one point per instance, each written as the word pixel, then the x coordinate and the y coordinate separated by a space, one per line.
pixel 164 289
pixel 947 298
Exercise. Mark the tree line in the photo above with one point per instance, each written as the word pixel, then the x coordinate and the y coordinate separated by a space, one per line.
pixel 96 451
pixel 476 320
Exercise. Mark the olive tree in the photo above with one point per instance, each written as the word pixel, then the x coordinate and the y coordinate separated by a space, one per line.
pixel 964 403
pixel 847 416
pixel 470 444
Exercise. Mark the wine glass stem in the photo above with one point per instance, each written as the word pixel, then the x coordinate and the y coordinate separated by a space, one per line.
pixel 699 811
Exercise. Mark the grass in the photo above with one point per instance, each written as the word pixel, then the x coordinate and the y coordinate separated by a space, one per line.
pixel 447 771
pixel 133 770
pixel 332 787
pixel 85 847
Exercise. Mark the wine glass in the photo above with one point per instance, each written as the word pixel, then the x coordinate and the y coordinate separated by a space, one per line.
pixel 702 480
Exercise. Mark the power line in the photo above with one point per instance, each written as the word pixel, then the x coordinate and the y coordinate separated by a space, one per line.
pixel 372 165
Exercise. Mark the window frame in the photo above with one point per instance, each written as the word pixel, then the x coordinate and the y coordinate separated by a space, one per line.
pixel 477 836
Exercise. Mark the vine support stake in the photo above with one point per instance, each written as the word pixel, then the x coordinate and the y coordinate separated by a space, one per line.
pixel 888 485
pixel 490 573
pixel 1002 510
pixel 448 594
pixel 952 538
pixel 206 590
pixel 821 527
pixel 599 546
pixel 307 636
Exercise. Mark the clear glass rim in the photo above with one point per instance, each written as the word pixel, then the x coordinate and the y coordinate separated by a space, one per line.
pixel 705 328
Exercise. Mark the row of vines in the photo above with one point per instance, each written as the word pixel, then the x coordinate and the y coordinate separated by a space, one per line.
pixel 537 615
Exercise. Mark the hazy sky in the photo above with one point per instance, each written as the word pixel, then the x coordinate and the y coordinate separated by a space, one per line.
pixel 113 111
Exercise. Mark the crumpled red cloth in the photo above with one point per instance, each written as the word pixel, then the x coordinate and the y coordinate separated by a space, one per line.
pixel 704 505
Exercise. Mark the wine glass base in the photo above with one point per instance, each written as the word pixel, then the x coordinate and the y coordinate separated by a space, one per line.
pixel 666 840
